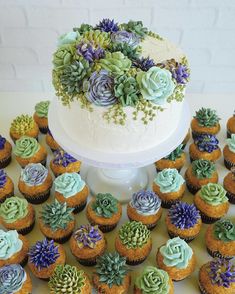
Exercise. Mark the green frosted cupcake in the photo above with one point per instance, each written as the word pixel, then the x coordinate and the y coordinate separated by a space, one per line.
pixel 40 115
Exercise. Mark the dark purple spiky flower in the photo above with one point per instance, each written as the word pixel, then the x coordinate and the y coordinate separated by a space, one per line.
pixel 3 178
pixel 107 25
pixel 2 142
pixel 63 158
pixel 222 272
pixel 89 52
pixel 206 142
pixel 43 253
pixel 87 236
pixel 180 73
pixel 183 215
pixel 143 63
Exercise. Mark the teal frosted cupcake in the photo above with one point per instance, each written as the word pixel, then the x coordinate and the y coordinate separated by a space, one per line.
pixel 40 115
pixel 229 153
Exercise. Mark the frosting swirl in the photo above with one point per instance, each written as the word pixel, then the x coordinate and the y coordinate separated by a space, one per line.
pixel 169 180
pixel 41 108
pixel 125 37
pixel 34 174
pixel 3 178
pixel 2 142
pixel 213 194
pixel 9 244
pixel 176 253
pixel 224 230
pixel 13 208
pixel 145 202
pixel 63 158
pixel 231 143
pixel 87 236
pixel 12 278
pixel 26 147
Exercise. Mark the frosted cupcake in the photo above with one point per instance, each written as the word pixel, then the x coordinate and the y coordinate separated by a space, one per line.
pixel 145 206
pixel 17 214
pixel 5 152
pixel 229 185
pixel 229 152
pixel 13 248
pixel 28 150
pixel 177 258
pixel 14 279
pixel 231 126
pixel 40 115
pixel 6 186
pixel 169 185
pixel 51 142
pixel 70 188
pixel 35 183
pixel 23 125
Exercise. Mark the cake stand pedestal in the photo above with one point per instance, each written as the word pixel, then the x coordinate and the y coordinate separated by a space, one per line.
pixel 118 174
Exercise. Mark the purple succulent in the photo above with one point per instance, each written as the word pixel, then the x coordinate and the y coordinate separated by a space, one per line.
pixel 2 142
pixel 3 178
pixel 183 215
pixel 125 37
pixel 63 158
pixel 206 142
pixel 43 254
pixel 180 73
pixel 99 89
pixel 87 236
pixel 89 52
pixel 143 63
pixel 107 25
pixel 222 272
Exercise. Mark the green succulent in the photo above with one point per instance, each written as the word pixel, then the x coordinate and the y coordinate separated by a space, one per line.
pixel 22 124
pixel 116 62
pixel 83 28
pixel 63 56
pixel 175 153
pixel 73 75
pixel 56 215
pixel 136 27
pixel 105 205
pixel 207 117
pixel 126 90
pixel 203 168
pixel 97 38
pixel 129 51
pixel 134 234
pixel 67 279
pixel 111 269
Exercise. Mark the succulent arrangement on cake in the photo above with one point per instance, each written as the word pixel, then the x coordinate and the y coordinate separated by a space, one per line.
pixel 102 66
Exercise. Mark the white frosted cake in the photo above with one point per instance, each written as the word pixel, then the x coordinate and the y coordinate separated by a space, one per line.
pixel 120 87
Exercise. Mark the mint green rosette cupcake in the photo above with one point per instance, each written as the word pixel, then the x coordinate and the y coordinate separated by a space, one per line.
pixel 41 114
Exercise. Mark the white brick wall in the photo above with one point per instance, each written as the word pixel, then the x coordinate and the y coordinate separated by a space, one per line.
pixel 205 29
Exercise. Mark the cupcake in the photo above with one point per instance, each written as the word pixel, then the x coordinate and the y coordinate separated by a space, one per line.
pixel 229 152
pixel 176 159
pixel 229 185
pixel 70 188
pixel 217 276
pixel 153 280
pixel 87 244
pixel 104 211
pixel 6 186
pixel 23 125
pixel 220 239
pixel 69 279
pixel 205 147
pixel 177 258
pixel 40 115
pixel 28 150
pixel 186 139
pixel 13 248
pixel 44 256
pixel 201 172
pixel 145 207
pixel 206 121
pixel 17 214
pixel 134 242
pixel 14 279
pixel 57 221
pixel 212 202
pixel 231 126
pixel 169 185
pixel 51 142
pixel 183 220
pixel 5 152
pixel 111 275
pixel 64 163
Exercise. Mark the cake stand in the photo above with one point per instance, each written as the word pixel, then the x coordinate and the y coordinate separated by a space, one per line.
pixel 118 174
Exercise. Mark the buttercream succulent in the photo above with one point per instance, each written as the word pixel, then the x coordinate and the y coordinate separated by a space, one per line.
pixel 111 269
pixel 127 50
pixel 143 63
pixel 22 124
pixel 2 142
pixel 224 230
pixel 63 56
pixel 84 27
pixel 87 236
pixel 26 147
pixel 128 38
pixel 68 38
pixel 203 168
pixel 206 143
pixel 116 63
pixel 136 27
pixel 56 215
pixel 169 180
pixel 213 194
pixel 105 205
pixel 97 38
pixel 231 143
pixel 3 178
pixel 89 52
pixel 42 108
pixel 63 158
pixel 207 117
pixel 175 153
pixel 107 25
pixel 134 235
pixel 67 279
pixel 13 209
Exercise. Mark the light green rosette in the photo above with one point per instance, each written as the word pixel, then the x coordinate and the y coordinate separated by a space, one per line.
pixel 63 56
pixel 68 38
pixel 9 244
pixel 213 194
pixel 13 208
pixel 169 180
pixel 224 230
pixel 116 63
pixel 26 147
pixel 231 143
pixel 41 108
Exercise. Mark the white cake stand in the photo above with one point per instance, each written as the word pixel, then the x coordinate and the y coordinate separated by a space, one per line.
pixel 118 174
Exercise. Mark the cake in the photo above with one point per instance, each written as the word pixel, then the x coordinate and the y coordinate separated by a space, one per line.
pixel 40 115
pixel 5 152
pixel 121 83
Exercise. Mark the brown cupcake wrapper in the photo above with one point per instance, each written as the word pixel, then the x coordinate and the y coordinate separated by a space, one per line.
pixel 196 134
pixel 87 262
pixel 202 290
pixel 229 134
pixel 135 262
pixel 27 230
pixel 188 240
pixel 107 228
pixel 6 196
pixel 207 219
pixel 5 162
pixel 159 170
pixel 43 130
pixel 24 261
pixel 228 164
pixel 38 199
pixel 231 197
pixel 80 207
pixel 57 174
pixel 61 240
pixel 168 204
pixel 217 254
pixel 192 189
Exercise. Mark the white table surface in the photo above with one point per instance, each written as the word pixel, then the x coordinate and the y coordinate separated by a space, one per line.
pixel 13 104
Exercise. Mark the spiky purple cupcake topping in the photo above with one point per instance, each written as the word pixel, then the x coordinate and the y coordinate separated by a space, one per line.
pixel 143 63
pixel 87 236
pixel 222 272
pixel 206 143
pixel 89 52
pixel 63 158
pixel 107 25
pixel 3 178
pixel 43 254
pixel 183 215
pixel 180 73
pixel 2 142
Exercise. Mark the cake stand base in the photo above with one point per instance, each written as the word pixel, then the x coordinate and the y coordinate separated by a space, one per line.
pixel 121 183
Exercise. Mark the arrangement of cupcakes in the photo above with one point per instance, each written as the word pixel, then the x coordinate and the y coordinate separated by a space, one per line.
pixel 5 152
pixel 231 126
pixel 6 186
pixel 40 115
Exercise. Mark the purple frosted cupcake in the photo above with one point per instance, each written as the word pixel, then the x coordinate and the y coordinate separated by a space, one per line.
pixel 6 186
pixel 5 152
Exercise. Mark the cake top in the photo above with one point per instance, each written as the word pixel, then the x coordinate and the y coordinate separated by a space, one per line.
pixel 3 178
pixel 105 205
pixel 213 194
pixel 87 236
pixel 42 108
pixel 106 66
pixel 203 168
pixel 206 142
pixel 13 209
pixel 2 142
pixel 26 147
pixel 224 230
pixel 207 117
pixel 34 174
pixel 22 124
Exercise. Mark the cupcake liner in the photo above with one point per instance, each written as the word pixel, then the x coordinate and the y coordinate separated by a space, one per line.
pixel 217 254
pixel 196 134
pixel 228 134
pixel 61 240
pixel 26 230
pixel 44 162
pixel 38 199
pixel 192 189
pixel 168 204
pixel 87 262
pixel 43 130
pixel 6 196
pixel 24 261
pixel 188 239
pixel 202 290
pixel 159 170
pixel 228 164
pixel 107 228
pixel 231 197
pixel 80 207
pixel 183 146
pixel 208 220
pixel 5 162
pixel 135 262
